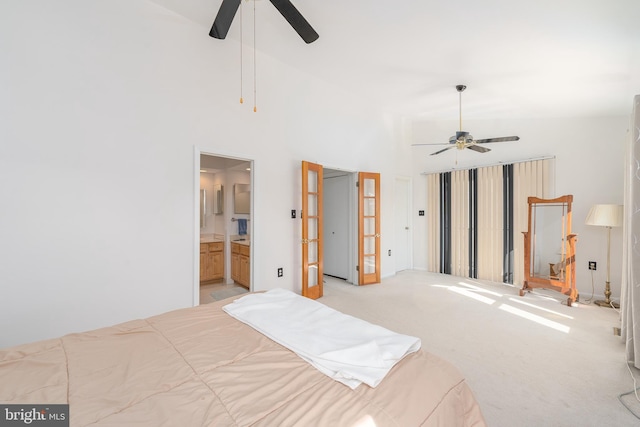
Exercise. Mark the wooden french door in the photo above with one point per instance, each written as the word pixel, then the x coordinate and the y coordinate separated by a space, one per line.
pixel 368 228
pixel 311 230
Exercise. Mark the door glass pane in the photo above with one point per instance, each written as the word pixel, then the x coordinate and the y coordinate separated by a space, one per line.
pixel 312 180
pixel 369 245
pixel 369 264
pixel 312 228
pixel 313 252
pixel 369 187
pixel 313 205
pixel 313 275
pixel 369 226
pixel 369 206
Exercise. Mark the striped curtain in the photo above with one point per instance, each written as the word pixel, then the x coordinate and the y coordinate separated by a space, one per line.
pixel 460 223
pixel 490 223
pixel 530 178
pixel 630 295
pixel 535 179
pixel 433 222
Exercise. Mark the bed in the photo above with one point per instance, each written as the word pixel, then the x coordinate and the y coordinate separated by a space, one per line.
pixel 202 367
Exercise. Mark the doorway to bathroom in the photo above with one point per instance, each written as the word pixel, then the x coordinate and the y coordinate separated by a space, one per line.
pixel 224 200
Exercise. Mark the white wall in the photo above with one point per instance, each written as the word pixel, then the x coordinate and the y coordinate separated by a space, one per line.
pixel 102 105
pixel 589 156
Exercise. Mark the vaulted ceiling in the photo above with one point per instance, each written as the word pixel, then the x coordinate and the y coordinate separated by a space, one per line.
pixel 543 58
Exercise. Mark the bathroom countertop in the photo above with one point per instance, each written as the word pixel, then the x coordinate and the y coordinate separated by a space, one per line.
pixel 246 242
pixel 210 239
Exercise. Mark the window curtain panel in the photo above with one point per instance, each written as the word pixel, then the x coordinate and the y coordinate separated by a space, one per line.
pixel 433 222
pixel 460 223
pixel 533 178
pixel 490 223
pixel 630 293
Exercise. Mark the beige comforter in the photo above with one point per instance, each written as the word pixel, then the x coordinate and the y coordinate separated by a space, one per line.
pixel 200 367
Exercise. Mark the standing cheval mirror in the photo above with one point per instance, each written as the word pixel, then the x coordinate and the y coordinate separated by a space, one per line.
pixel 550 248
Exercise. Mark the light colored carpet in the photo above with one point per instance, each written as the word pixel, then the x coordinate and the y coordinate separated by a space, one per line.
pixel 560 366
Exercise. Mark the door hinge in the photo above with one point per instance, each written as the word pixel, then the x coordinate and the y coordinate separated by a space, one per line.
pixel 357 268
pixel 357 183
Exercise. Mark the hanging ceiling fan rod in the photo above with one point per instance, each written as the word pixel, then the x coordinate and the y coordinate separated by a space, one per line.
pixel 460 89
pixel 462 139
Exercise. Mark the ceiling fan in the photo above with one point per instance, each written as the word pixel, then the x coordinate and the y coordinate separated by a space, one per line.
pixel 228 10
pixel 462 139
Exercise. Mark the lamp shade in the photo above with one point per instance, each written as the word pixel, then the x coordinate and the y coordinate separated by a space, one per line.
pixel 605 215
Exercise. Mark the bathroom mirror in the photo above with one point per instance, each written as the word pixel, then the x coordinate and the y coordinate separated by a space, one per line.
pixel 203 209
pixel 241 198
pixel 218 199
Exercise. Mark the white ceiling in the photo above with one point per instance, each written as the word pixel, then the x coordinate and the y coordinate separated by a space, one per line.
pixel 542 58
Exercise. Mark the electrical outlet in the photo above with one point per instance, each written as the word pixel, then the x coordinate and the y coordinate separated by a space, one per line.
pixel 592 265
pixel 280 273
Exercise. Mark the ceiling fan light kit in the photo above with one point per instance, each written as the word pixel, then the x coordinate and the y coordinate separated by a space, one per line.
pixel 462 139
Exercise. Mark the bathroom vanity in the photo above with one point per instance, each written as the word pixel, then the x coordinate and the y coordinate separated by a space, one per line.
pixel 211 259
pixel 241 262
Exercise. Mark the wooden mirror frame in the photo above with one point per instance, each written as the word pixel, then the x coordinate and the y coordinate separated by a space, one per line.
pixel 565 283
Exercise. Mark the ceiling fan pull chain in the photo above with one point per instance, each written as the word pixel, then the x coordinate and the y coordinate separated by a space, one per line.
pixel 227 12
pixel 255 102
pixel 241 99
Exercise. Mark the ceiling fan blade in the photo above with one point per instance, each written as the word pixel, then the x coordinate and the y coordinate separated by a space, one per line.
pixel 442 151
pixel 296 20
pixel 502 139
pixel 225 15
pixel 478 148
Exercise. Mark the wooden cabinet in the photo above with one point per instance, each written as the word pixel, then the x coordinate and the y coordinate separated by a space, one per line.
pixel 235 266
pixel 211 261
pixel 241 264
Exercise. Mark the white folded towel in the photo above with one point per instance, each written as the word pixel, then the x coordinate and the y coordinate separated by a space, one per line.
pixel 347 349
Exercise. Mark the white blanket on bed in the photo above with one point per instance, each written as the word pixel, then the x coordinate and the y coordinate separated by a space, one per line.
pixel 347 349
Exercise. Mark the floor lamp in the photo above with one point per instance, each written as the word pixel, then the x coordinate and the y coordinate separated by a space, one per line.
pixel 606 216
